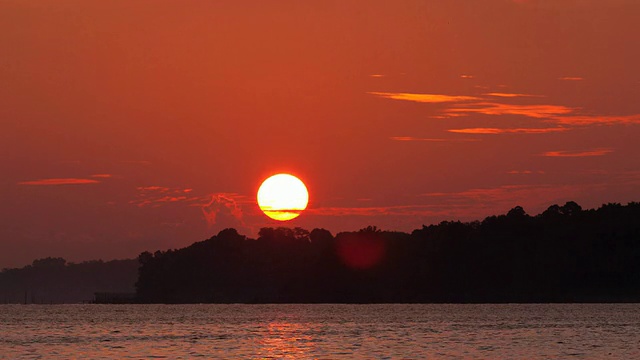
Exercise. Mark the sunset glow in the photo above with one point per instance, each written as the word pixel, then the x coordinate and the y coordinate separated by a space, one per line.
pixel 320 179
pixel 148 122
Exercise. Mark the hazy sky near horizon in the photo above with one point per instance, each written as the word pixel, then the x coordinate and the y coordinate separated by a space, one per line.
pixel 141 125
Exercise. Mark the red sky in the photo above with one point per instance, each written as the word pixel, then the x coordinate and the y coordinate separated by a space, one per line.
pixel 141 125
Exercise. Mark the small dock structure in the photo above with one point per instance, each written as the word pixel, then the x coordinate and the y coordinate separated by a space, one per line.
pixel 114 298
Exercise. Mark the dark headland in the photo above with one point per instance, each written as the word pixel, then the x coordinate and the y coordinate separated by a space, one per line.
pixel 565 254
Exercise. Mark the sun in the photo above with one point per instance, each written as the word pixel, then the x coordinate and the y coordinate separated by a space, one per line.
pixel 283 197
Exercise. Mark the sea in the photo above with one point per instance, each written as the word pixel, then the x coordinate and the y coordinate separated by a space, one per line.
pixel 327 331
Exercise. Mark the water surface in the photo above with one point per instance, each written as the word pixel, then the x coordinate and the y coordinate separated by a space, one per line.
pixel 320 331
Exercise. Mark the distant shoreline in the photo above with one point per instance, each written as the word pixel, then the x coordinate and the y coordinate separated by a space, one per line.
pixel 565 255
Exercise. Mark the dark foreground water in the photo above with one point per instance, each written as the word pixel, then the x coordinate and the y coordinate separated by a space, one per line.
pixel 320 331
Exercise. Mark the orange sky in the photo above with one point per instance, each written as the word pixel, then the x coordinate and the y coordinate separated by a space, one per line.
pixel 142 125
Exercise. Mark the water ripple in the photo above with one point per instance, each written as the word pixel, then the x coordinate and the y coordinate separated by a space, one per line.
pixel 320 331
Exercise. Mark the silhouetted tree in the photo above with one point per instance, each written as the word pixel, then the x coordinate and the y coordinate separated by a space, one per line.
pixel 564 254
pixel 54 280
pixel 49 262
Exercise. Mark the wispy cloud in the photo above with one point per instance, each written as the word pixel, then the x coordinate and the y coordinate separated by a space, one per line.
pixel 595 152
pixel 101 176
pixel 153 188
pixel 223 208
pixel 471 202
pixel 466 76
pixel 155 196
pixel 494 104
pixel 571 78
pixel 447 116
pixel 423 98
pixel 494 108
pixel 376 75
pixel 479 105
pixel 405 210
pixel 506 196
pixel 584 120
pixel 495 131
pixel 509 95
pixel 63 181
pixel 411 138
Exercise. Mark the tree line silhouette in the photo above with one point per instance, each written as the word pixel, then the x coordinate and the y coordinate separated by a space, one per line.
pixel 565 254
pixel 54 280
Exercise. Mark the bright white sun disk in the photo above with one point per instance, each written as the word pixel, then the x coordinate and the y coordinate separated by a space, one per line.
pixel 283 197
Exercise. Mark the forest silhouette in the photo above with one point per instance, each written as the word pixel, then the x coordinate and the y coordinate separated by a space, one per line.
pixel 565 254
pixel 54 280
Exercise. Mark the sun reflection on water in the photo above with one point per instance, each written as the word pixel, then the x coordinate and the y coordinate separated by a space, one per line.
pixel 285 340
